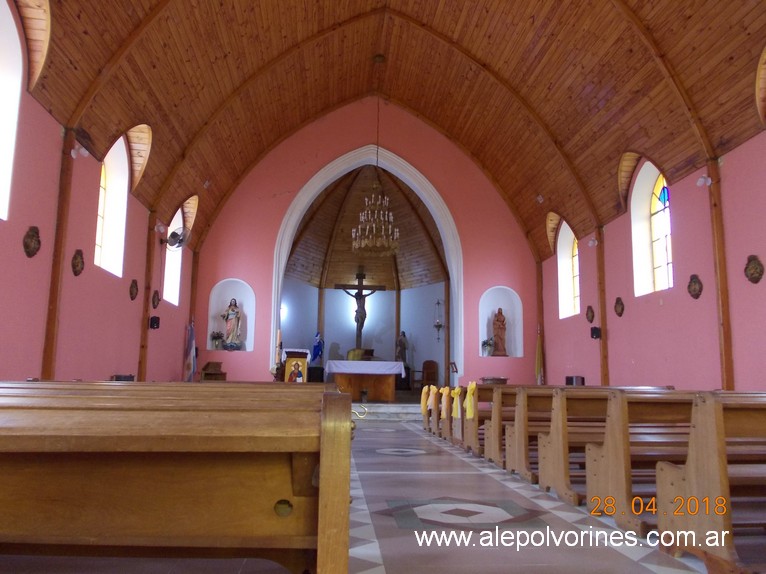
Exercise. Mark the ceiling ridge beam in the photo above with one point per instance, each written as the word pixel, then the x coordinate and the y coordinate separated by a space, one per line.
pixel 667 70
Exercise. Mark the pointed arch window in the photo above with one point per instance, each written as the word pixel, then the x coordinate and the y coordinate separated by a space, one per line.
pixel 651 231
pixel 662 251
pixel 112 209
pixel 568 260
pixel 11 71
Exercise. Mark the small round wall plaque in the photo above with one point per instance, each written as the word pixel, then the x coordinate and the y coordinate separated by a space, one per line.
pixel 155 299
pixel 78 262
pixel 32 241
pixel 589 314
pixel 619 306
pixel 133 290
pixel 694 287
pixel 753 269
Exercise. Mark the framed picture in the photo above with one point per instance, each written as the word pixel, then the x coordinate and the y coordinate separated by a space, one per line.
pixel 296 370
pixel 453 367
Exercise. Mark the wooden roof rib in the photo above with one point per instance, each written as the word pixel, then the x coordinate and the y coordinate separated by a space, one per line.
pixel 557 99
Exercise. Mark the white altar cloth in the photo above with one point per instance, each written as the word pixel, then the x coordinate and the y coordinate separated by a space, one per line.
pixel 366 367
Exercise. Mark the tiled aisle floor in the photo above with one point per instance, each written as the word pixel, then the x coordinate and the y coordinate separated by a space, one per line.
pixel 404 480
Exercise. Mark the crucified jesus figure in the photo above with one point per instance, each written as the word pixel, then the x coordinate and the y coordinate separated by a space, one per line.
pixel 360 296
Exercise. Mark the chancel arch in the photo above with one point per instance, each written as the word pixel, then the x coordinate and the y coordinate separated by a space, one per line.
pixel 386 161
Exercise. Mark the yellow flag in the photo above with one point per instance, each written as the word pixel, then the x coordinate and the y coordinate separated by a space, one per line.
pixel 424 400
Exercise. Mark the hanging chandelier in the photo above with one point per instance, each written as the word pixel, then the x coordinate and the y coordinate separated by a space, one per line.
pixel 375 233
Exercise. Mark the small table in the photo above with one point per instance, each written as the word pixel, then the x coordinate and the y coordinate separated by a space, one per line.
pixel 377 378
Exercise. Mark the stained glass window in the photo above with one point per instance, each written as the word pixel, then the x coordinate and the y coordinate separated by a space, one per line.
pixel 662 252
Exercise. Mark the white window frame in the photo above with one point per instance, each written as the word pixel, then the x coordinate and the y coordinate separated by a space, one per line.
pixel 569 301
pixel 171 281
pixel 11 74
pixel 109 253
pixel 641 229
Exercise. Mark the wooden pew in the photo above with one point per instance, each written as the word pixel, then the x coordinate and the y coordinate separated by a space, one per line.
pixel 532 416
pixel 476 416
pixel 457 416
pixel 441 414
pixel 264 473
pixel 641 429
pixel 726 458
pixel 426 405
pixel 503 411
pixel 578 417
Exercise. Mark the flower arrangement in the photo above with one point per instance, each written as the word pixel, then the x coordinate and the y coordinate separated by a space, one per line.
pixel 488 343
pixel 216 335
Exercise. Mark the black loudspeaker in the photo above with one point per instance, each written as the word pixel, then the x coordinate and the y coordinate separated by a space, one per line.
pixel 154 322
pixel 595 332
pixel 575 381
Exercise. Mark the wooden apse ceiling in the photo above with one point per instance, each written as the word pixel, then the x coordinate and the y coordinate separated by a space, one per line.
pixel 555 100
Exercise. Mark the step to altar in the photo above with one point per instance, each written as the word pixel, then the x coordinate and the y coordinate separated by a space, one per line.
pixel 389 411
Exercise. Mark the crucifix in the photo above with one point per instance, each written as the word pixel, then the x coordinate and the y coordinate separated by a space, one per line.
pixel 360 296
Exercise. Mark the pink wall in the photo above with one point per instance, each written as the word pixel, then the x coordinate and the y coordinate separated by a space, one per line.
pixel 99 324
pixel 25 282
pixel 663 338
pixel 499 254
pixel 569 347
pixel 743 173
pixel 667 337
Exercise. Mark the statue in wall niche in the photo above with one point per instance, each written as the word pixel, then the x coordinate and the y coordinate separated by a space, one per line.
pixel 498 334
pixel 232 316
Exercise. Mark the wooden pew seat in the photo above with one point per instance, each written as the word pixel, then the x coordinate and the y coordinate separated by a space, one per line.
pixel 137 467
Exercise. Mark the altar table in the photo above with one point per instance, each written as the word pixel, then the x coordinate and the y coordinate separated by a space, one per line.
pixel 378 378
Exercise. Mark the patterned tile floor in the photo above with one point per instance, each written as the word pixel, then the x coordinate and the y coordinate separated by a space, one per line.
pixel 404 480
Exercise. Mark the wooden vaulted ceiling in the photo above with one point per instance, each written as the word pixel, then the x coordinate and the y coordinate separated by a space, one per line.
pixel 553 99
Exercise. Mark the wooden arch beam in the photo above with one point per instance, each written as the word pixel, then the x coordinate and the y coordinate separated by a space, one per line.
pixel 719 250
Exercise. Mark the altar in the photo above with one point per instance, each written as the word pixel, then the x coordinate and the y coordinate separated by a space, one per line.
pixel 377 378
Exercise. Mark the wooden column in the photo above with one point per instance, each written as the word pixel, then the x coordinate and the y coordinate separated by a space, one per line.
pixel 540 317
pixel 447 337
pixel 48 368
pixel 601 270
pixel 151 249
pixel 721 277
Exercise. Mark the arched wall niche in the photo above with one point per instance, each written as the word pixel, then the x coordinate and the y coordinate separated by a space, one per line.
pixel 509 301
pixel 220 296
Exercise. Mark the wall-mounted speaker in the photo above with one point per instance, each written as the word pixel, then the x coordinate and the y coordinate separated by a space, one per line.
pixel 154 322
pixel 595 332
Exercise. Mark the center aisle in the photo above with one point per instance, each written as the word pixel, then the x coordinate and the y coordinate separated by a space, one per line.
pixel 404 481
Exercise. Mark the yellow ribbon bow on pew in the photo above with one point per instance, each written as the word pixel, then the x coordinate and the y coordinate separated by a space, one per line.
pixel 445 391
pixel 432 404
pixel 470 411
pixel 456 392
pixel 424 400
